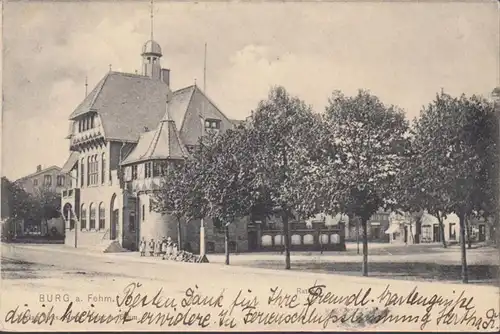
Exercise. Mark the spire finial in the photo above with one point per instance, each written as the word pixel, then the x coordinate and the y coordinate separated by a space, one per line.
pixel 152 16
pixel 110 66
pixel 195 81
pixel 86 86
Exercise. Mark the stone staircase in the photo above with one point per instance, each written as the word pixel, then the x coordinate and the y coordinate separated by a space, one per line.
pixel 106 246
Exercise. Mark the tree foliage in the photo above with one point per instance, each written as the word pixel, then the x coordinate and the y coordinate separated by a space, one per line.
pixel 454 161
pixel 372 140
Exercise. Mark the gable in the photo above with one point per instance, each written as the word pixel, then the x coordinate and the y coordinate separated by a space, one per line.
pixel 191 127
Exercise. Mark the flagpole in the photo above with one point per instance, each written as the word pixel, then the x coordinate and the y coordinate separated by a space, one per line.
pixel 202 221
pixel 205 70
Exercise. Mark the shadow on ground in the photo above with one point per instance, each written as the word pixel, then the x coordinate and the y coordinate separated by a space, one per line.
pixel 479 274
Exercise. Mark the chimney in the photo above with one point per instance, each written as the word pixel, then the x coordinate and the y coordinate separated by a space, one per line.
pixel 39 168
pixel 165 76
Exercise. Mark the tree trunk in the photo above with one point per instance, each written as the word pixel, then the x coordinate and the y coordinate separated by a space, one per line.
pixel 179 234
pixel 418 229
pixel 465 278
pixel 441 228
pixel 226 243
pixel 357 234
pixel 469 230
pixel 364 268
pixel 286 235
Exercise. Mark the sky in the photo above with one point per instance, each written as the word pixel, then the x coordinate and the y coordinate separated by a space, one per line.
pixel 403 52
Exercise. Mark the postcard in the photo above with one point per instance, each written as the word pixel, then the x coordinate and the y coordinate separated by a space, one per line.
pixel 250 166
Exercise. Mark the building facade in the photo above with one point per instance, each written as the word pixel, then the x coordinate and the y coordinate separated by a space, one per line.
pixel 46 179
pixel 49 178
pixel 123 136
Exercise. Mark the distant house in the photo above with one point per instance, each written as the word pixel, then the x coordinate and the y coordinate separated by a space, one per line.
pixel 49 178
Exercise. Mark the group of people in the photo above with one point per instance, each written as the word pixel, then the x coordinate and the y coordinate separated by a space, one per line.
pixel 165 248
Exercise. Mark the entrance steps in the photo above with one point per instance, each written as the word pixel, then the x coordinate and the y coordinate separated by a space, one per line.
pixel 107 246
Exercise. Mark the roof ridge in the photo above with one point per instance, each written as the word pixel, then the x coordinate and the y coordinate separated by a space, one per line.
pixel 102 83
pixel 154 142
pixel 179 140
pixel 212 102
pixel 187 106
pixel 39 172
pixel 181 89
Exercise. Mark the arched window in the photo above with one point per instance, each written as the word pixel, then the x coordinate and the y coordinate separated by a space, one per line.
pixel 92 217
pixel 89 168
pixel 82 172
pixel 102 216
pixel 83 218
pixel 103 168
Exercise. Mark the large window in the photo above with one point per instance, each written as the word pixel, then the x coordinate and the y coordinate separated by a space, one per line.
pixel 82 172
pixel 92 217
pixel 92 170
pixel 83 220
pixel 134 172
pixel 148 169
pixel 103 168
pixel 86 123
pixel 47 180
pixel 159 168
pixel 60 180
pixel 102 216
pixel 35 182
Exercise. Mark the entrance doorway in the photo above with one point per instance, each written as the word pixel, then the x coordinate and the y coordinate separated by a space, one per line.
pixel 482 233
pixel 436 236
pixel 406 235
pixel 253 242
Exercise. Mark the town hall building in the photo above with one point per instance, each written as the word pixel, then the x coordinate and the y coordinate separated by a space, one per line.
pixel 123 134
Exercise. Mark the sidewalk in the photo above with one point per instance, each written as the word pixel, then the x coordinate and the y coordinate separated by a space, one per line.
pixel 217 267
pixel 441 255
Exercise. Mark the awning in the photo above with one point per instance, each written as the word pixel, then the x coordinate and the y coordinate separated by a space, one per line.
pixel 70 163
pixel 392 229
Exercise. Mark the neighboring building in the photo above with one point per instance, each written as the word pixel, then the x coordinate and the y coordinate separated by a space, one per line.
pixel 50 178
pixel 403 229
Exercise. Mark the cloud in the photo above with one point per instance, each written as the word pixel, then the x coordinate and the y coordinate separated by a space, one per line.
pixel 404 53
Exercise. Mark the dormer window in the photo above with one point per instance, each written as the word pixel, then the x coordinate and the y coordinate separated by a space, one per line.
pixel 212 124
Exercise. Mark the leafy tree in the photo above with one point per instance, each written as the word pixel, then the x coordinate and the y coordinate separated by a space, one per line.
pixel 372 140
pixel 227 179
pixel 286 147
pixel 451 169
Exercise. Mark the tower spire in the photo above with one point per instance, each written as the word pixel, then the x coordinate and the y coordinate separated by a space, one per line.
pixel 152 17
pixel 86 86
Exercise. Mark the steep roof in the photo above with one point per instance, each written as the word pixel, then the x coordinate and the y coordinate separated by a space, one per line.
pixel 39 172
pixel 129 103
pixel 162 143
pixel 126 103
pixel 190 126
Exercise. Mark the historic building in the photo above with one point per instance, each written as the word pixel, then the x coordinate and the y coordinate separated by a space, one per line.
pixel 49 178
pixel 122 136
